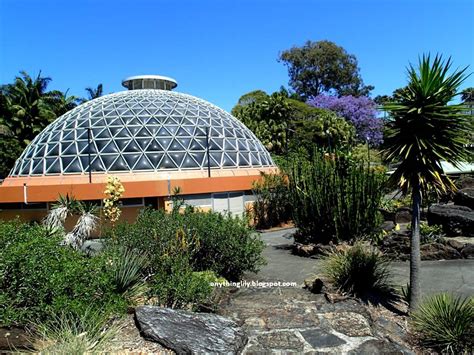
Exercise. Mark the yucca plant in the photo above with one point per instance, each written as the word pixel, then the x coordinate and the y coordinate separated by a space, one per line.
pixel 64 207
pixel 360 270
pixel 446 323
pixel 425 129
pixel 128 266
pixel 85 225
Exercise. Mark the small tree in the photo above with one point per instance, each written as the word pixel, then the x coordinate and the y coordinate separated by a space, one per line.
pixel 424 130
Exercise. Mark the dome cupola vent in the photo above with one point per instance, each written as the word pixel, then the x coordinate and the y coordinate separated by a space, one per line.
pixel 159 82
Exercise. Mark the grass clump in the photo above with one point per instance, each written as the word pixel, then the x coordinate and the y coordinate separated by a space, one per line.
pixel 359 270
pixel 445 323
pixel 88 331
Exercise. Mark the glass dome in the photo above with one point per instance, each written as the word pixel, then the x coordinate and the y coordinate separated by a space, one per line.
pixel 142 130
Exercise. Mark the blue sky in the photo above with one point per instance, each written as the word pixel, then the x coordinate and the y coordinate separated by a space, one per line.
pixel 219 50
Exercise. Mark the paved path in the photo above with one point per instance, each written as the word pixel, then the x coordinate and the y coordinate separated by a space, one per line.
pixel 436 276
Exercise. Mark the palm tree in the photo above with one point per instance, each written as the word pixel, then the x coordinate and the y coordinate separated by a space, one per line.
pixel 94 93
pixel 61 103
pixel 425 129
pixel 25 109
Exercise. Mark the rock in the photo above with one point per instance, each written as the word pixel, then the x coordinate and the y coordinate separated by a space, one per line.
pixel 455 244
pixel 378 346
pixel 456 220
pixel 315 286
pixel 309 250
pixel 318 338
pixel 438 251
pixel 334 297
pixel 403 215
pixel 14 338
pixel 387 226
pixel 465 197
pixel 277 341
pixel 465 182
pixel 388 216
pixel 468 251
pixel 188 332
pixel 349 323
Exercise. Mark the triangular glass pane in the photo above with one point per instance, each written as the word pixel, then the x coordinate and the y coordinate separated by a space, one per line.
pixel 131 159
pixel 119 165
pixel 52 166
pixel 243 159
pixel 110 148
pixel 108 160
pixel 154 159
pixel 189 162
pixel 176 146
pixel 143 142
pixel 73 167
pixel 53 150
pixel 37 168
pixel 70 150
pixel 97 165
pixel 167 163
pixel 143 164
pixel 132 147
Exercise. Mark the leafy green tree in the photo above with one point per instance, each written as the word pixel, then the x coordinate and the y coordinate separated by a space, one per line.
pixel 10 150
pixel 267 119
pixel 323 67
pixel 425 129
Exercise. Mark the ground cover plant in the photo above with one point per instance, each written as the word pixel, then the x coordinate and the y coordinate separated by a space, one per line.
pixel 334 198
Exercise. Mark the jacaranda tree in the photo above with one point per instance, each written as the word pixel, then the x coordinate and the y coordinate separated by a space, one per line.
pixel 424 130
pixel 360 111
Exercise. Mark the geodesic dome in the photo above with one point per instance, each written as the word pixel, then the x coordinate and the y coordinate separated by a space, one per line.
pixel 142 130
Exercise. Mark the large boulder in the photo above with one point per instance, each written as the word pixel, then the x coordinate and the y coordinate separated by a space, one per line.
pixel 439 251
pixel 456 220
pixel 189 332
pixel 465 197
pixel 468 251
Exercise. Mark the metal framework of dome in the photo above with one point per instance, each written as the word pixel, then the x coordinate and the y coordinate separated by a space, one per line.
pixel 142 130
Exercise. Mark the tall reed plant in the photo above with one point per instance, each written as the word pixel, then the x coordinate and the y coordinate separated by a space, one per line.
pixel 334 198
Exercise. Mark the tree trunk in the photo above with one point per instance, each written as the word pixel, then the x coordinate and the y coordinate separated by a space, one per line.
pixel 415 259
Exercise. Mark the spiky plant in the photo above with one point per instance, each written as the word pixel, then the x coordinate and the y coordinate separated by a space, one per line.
pixel 446 323
pixel 86 224
pixel 425 129
pixel 64 207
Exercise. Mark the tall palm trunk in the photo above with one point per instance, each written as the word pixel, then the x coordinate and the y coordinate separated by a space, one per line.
pixel 415 259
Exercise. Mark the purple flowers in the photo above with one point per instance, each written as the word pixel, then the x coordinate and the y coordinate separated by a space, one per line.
pixel 360 111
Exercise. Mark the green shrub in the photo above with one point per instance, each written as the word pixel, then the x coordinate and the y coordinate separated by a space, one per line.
pixel 334 198
pixel 223 244
pixel 272 206
pixel 445 323
pixel 360 271
pixel 89 331
pixel 39 277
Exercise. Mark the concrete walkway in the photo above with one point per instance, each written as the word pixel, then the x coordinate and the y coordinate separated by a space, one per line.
pixel 436 276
